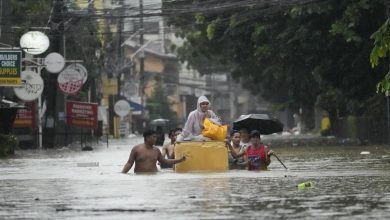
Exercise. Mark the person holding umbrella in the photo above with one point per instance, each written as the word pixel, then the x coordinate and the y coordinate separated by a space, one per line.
pixel 257 156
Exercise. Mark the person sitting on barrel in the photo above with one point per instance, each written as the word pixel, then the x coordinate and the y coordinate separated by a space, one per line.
pixel 193 127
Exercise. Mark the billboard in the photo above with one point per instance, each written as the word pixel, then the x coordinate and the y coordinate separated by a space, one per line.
pixel 81 114
pixel 10 68
pixel 25 118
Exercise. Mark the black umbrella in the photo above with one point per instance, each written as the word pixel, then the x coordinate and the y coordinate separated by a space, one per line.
pixel 159 121
pixel 261 122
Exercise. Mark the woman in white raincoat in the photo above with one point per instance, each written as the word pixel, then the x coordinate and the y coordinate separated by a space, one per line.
pixel 193 128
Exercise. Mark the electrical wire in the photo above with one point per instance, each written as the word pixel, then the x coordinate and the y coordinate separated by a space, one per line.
pixel 251 12
pixel 210 7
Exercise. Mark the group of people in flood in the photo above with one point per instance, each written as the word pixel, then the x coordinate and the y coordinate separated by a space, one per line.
pixel 245 147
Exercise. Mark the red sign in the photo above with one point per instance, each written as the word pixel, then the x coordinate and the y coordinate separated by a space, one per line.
pixel 70 88
pixel 71 79
pixel 25 118
pixel 81 114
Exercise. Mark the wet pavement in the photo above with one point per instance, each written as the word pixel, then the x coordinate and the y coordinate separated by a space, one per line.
pixel 72 184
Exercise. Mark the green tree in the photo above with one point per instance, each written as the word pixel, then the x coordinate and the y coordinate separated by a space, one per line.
pixel 26 14
pixel 18 17
pixel 82 41
pixel 293 56
pixel 159 105
pixel 381 49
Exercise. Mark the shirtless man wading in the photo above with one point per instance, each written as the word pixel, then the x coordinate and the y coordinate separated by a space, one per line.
pixel 146 155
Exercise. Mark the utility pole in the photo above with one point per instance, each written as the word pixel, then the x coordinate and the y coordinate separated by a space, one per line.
pixel 119 48
pixel 54 100
pixel 387 94
pixel 1 15
pixel 142 57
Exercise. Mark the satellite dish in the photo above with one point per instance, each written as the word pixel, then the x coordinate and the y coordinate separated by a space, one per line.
pixel 54 62
pixel 34 42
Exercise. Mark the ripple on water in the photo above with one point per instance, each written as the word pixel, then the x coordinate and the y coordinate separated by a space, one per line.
pixel 42 185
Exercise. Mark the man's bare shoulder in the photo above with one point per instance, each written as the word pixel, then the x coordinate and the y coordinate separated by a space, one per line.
pixel 138 146
pixel 156 148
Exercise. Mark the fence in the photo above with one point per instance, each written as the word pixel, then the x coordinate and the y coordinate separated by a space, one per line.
pixel 60 135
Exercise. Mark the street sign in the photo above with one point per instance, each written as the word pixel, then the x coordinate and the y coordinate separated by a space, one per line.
pixel 80 69
pixel 26 118
pixel 34 42
pixel 122 108
pixel 122 128
pixel 32 86
pixel 70 81
pixel 54 62
pixel 10 68
pixel 81 114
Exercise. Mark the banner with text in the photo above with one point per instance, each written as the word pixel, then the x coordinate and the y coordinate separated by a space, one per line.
pixel 81 114
pixel 25 118
pixel 10 68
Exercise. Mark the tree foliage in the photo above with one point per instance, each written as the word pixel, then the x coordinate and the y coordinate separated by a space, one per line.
pixel 159 105
pixel 26 14
pixel 82 42
pixel 80 34
pixel 297 56
pixel 381 49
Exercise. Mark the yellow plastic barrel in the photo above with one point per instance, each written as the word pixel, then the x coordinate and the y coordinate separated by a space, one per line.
pixel 206 156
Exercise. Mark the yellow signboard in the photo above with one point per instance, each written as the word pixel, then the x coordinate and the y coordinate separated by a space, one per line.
pixel 10 68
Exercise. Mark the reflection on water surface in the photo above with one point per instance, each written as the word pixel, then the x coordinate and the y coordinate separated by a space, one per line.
pixel 50 185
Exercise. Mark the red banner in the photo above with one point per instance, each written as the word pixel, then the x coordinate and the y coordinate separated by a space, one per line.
pixel 81 114
pixel 25 118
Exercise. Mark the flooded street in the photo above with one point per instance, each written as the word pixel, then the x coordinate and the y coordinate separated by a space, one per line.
pixel 66 183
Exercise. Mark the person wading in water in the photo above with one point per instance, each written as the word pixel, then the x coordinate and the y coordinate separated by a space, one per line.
pixel 168 149
pixel 256 155
pixel 146 155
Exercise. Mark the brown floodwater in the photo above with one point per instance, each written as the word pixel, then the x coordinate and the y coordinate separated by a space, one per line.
pixel 71 184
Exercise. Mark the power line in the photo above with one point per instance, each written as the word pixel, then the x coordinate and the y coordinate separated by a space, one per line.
pixel 204 8
pixel 251 13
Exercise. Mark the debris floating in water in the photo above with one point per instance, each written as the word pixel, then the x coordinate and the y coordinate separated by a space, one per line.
pixel 365 152
pixel 88 164
pixel 306 184
pixel 105 210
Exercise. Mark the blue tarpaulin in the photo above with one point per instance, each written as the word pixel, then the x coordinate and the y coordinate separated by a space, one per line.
pixel 135 106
